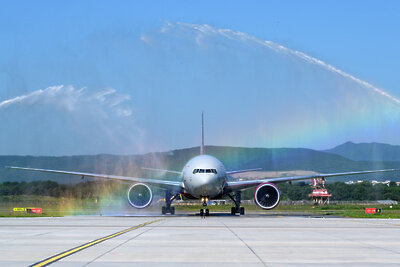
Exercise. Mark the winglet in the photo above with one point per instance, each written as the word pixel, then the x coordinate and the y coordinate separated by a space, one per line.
pixel 202 134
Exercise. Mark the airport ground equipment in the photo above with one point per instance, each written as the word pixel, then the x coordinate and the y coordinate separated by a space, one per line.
pixel 319 194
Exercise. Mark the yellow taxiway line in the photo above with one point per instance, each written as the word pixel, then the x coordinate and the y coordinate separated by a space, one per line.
pixel 64 254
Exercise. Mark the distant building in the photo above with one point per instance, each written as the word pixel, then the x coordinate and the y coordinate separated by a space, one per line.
pixel 373 182
pixel 387 202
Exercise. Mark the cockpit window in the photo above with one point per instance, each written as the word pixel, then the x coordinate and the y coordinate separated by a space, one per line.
pixel 204 171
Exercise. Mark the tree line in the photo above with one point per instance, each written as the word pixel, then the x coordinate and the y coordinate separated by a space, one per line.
pixel 83 190
pixel 295 191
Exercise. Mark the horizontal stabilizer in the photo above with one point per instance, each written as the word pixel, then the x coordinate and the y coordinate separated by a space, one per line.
pixel 161 170
pixel 247 170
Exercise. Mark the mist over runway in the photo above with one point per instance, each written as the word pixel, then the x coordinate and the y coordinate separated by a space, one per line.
pixel 251 240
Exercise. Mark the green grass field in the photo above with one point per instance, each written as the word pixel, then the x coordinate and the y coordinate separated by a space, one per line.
pixel 66 206
pixel 349 210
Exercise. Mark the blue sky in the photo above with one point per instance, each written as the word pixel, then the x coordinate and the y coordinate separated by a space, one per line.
pixel 87 77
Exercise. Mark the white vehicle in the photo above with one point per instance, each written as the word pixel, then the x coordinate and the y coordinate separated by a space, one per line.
pixel 203 177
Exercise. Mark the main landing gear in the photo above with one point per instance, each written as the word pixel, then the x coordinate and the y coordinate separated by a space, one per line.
pixel 168 200
pixel 204 211
pixel 237 200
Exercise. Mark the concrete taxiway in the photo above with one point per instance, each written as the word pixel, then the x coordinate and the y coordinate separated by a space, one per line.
pixel 251 240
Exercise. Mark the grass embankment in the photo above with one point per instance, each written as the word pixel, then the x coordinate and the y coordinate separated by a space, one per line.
pixel 58 207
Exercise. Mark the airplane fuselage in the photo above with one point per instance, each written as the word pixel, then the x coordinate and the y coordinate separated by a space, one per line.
pixel 204 176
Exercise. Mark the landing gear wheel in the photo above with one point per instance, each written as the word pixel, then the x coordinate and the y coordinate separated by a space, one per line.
pixel 166 210
pixel 236 201
pixel 207 212
pixel 233 211
pixel 168 200
pixel 241 211
pixel 201 212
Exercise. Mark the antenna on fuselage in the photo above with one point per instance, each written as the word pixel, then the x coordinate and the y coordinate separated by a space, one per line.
pixel 202 134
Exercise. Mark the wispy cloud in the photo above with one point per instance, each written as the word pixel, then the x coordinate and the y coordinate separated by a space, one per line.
pixel 62 120
pixel 146 39
pixel 204 31
pixel 69 99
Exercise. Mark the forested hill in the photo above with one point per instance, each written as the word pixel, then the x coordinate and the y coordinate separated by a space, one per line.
pixel 276 159
pixel 367 151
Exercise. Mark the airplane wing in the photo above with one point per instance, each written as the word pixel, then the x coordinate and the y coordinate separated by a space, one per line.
pixel 159 183
pixel 240 185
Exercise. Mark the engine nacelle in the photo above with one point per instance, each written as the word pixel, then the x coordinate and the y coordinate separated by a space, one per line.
pixel 267 196
pixel 140 195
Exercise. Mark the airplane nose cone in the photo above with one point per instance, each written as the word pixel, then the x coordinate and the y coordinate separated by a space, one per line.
pixel 205 189
pixel 207 185
pixel 206 179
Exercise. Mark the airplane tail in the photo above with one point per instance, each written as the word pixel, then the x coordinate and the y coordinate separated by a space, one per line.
pixel 202 135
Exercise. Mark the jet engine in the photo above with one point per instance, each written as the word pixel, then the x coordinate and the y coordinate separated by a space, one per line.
pixel 267 196
pixel 140 195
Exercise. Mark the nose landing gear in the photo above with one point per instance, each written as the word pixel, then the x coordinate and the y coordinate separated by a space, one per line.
pixel 204 211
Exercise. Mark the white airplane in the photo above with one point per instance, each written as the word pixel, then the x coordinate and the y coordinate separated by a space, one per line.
pixel 203 177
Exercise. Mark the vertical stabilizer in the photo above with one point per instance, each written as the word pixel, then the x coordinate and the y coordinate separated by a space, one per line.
pixel 202 135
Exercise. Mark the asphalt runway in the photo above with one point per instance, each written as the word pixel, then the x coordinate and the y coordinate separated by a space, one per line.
pixel 250 240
